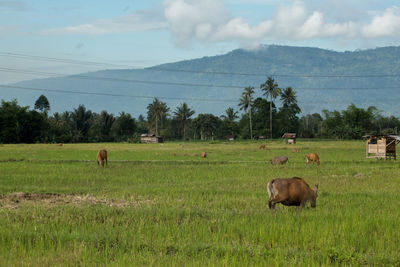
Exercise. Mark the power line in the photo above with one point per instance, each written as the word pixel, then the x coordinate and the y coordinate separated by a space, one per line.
pixel 61 60
pixel 94 63
pixel 86 77
pixel 141 96
pixel 114 95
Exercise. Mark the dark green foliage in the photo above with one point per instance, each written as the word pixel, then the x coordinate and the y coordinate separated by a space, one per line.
pixel 351 123
pixel 20 125
pixel 81 120
pixel 182 118
pixel 124 127
pixel 206 126
pixel 157 114
pixel 42 103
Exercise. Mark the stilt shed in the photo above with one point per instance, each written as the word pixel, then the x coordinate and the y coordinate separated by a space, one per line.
pixel 150 138
pixel 290 138
pixel 381 146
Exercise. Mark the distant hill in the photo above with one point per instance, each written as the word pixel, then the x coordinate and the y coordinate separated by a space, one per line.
pixel 316 74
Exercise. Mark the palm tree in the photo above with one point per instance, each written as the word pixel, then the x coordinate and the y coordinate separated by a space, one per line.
pixel 183 114
pixel 271 89
pixel 156 111
pixel 245 103
pixel 81 121
pixel 106 121
pixel 231 115
pixel 288 96
pixel 289 99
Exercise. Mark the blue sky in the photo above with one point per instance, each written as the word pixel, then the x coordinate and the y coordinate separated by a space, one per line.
pixel 123 33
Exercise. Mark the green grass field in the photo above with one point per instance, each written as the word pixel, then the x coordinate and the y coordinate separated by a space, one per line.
pixel 164 205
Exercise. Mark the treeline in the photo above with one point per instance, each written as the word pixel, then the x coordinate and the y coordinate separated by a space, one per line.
pixel 261 118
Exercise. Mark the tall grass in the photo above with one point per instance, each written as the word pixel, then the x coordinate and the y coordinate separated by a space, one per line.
pixel 180 209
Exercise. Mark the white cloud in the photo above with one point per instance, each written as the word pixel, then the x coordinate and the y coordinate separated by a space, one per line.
pixel 209 21
pixel 386 24
pixel 138 21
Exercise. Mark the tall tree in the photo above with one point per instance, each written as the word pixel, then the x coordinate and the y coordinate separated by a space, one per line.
pixel 81 119
pixel 207 125
pixel 230 115
pixel 229 126
pixel 287 117
pixel 124 127
pixel 271 89
pixel 288 97
pixel 245 102
pixel 157 112
pixel 182 115
pixel 42 104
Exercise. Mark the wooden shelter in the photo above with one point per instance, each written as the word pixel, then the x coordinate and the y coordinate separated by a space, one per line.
pixel 150 138
pixel 381 146
pixel 290 138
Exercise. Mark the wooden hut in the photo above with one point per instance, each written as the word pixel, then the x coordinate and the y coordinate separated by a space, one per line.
pixel 150 138
pixel 381 146
pixel 290 138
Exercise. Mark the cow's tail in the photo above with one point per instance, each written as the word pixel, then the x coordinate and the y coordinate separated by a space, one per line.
pixel 270 189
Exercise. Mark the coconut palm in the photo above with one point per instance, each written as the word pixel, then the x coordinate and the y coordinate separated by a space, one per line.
pixel 183 114
pixel 157 111
pixel 271 89
pixel 230 115
pixel 245 102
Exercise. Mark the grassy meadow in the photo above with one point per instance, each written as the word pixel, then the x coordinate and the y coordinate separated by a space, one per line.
pixel 164 205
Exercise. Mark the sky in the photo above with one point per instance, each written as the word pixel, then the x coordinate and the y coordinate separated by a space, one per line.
pixel 66 37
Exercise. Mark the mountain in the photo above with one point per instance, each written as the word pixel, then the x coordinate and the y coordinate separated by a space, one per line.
pixel 323 79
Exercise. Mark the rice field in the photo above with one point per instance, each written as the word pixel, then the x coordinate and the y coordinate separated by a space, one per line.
pixel 164 205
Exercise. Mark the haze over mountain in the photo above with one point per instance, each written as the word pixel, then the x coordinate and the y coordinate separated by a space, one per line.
pixel 323 79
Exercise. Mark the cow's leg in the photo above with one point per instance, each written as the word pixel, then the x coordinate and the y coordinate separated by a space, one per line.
pixel 271 205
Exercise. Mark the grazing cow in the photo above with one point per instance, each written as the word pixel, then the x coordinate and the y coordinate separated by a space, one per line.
pixel 312 157
pixel 295 150
pixel 101 157
pixel 278 160
pixel 262 146
pixel 291 192
pixel 203 154
pixel 60 144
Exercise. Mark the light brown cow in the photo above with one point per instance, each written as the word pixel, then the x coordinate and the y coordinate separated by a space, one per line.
pixel 101 157
pixel 312 157
pixel 262 146
pixel 295 150
pixel 291 192
pixel 60 144
pixel 203 154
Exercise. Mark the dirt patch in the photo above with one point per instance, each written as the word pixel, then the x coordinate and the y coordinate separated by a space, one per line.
pixel 17 199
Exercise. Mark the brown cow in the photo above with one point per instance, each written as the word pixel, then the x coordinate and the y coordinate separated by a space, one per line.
pixel 291 192
pixel 312 157
pixel 262 146
pixel 295 150
pixel 101 157
pixel 203 154
pixel 60 144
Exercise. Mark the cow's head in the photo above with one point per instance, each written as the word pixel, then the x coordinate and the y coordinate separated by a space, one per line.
pixel 314 196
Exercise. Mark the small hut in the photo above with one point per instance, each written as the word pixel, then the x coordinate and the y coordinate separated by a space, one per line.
pixel 381 146
pixel 290 138
pixel 150 138
pixel 231 137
